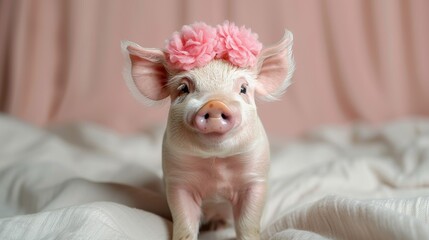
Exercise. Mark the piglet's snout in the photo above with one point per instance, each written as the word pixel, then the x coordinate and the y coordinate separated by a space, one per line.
pixel 214 117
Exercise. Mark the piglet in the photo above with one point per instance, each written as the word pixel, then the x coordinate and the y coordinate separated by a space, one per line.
pixel 215 150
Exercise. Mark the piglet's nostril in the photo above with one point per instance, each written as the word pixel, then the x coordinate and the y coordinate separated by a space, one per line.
pixel 206 116
pixel 224 116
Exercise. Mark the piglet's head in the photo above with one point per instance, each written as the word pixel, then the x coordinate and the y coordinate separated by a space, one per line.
pixel 211 75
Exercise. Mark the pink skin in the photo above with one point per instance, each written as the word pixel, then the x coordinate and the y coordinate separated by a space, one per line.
pixel 215 150
pixel 204 188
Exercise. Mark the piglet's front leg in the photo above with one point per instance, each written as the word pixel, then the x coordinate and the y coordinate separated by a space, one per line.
pixel 248 211
pixel 186 213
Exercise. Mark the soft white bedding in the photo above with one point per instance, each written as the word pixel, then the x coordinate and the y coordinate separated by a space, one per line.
pixel 83 182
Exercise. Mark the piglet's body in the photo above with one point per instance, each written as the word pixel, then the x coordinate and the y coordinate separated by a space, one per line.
pixel 215 150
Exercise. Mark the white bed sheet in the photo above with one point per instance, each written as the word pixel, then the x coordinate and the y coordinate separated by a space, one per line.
pixel 84 182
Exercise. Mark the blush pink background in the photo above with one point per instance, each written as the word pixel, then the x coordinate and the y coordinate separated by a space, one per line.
pixel 60 61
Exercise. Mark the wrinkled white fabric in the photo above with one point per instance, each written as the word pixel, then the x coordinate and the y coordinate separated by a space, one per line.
pixel 84 182
pixel 100 220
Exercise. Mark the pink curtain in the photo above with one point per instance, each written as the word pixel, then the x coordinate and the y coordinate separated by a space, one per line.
pixel 60 61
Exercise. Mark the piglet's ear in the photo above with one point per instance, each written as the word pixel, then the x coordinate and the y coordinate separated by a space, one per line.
pixel 145 72
pixel 275 68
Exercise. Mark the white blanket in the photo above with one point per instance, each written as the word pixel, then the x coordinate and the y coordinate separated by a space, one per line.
pixel 84 182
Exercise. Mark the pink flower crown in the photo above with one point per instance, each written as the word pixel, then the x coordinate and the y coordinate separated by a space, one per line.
pixel 197 44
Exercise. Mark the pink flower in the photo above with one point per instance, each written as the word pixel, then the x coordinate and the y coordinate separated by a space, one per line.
pixel 192 47
pixel 197 44
pixel 239 46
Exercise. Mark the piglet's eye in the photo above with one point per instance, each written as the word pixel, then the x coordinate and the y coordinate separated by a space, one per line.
pixel 243 89
pixel 183 88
